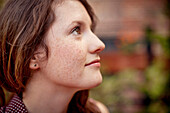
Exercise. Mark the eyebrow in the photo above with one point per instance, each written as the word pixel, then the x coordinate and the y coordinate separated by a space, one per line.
pixel 81 22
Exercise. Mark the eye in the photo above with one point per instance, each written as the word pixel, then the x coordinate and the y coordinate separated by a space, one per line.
pixel 76 30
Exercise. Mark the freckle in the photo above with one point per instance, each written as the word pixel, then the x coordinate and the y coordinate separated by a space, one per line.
pixel 71 56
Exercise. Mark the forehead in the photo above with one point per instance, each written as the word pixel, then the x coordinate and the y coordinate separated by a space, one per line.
pixel 71 10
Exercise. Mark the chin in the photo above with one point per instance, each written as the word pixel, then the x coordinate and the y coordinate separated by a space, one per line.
pixel 97 82
pixel 90 80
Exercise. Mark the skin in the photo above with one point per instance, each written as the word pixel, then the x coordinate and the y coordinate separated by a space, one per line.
pixel 71 45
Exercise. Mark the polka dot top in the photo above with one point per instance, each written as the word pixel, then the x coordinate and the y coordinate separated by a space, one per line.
pixel 15 105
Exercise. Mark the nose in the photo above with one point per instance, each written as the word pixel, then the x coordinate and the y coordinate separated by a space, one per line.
pixel 95 44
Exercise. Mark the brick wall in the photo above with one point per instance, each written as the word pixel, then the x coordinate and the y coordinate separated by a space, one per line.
pixel 129 17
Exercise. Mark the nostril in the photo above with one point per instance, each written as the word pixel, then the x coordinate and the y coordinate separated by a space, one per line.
pixel 100 49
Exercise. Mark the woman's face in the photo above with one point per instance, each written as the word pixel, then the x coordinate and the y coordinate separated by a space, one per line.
pixel 74 49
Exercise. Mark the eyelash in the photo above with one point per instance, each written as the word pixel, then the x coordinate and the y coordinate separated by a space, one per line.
pixel 75 30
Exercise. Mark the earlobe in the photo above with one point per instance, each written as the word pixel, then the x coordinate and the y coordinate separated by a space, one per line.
pixel 36 60
pixel 34 63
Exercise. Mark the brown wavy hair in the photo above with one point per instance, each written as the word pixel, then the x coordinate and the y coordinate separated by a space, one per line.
pixel 23 25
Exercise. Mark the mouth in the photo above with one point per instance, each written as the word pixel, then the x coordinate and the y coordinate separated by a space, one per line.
pixel 95 63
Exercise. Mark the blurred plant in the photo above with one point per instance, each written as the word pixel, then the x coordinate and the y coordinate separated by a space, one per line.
pixel 163 41
pixel 154 88
pixel 119 91
pixel 158 94
pixel 130 48
pixel 156 79
pixel 167 8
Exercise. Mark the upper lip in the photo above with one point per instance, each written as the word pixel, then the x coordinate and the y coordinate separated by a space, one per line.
pixel 94 61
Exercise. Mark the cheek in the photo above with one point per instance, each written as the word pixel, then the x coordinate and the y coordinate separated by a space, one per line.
pixel 70 60
pixel 71 54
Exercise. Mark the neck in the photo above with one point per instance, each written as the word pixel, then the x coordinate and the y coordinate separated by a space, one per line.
pixel 42 97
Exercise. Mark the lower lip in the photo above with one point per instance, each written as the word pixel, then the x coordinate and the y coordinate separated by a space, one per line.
pixel 97 64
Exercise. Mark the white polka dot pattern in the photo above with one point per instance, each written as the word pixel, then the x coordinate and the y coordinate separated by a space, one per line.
pixel 16 105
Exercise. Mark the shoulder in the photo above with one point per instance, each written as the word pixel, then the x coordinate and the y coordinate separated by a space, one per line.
pixel 100 106
pixel 15 106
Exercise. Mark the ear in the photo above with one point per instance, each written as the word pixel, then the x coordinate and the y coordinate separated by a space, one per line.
pixel 34 64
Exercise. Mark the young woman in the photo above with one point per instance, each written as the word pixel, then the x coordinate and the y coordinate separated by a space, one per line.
pixel 49 56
